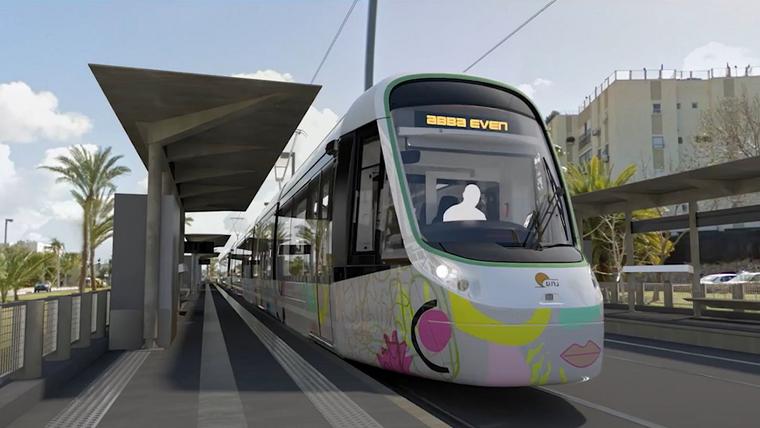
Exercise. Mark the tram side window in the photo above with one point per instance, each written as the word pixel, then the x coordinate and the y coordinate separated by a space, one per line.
pixel 323 253
pixel 300 239
pixel 283 237
pixel 391 245
pixel 365 199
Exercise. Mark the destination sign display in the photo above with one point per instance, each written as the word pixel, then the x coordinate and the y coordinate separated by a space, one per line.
pixel 462 122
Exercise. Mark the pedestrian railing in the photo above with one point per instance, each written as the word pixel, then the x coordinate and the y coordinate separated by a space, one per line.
pixel 12 320
pixel 50 327
pixel 46 329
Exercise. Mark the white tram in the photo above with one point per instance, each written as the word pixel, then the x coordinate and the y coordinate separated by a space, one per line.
pixel 430 234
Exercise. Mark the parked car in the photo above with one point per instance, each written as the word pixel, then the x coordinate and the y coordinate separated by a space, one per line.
pixel 716 278
pixel 41 287
pixel 746 277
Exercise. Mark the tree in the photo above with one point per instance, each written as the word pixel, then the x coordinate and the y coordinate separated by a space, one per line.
pixel 21 267
pixel 91 174
pixel 69 262
pixel 58 248
pixel 729 131
pixel 101 229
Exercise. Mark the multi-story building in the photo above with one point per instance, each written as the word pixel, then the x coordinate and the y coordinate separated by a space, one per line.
pixel 649 118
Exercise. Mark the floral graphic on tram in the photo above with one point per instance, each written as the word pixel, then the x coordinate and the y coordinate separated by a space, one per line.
pixel 393 355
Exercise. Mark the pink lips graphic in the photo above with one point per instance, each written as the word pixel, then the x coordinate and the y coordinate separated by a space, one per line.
pixel 581 356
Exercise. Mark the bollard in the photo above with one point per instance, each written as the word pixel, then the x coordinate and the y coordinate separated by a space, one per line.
pixel 63 341
pixel 33 340
pixel 100 329
pixel 640 293
pixel 737 291
pixel 668 292
pixel 85 321
pixel 631 280
pixel 615 297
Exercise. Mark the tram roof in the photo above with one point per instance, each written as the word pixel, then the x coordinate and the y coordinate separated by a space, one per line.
pixel 221 135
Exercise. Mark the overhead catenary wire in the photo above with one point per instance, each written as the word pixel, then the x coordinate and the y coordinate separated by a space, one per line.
pixel 508 36
pixel 335 38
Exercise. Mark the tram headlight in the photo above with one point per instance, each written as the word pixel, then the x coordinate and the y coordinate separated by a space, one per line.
pixel 442 271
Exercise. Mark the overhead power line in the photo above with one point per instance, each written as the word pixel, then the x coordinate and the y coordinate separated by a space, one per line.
pixel 526 22
pixel 342 24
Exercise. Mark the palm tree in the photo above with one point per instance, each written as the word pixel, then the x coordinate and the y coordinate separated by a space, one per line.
pixel 91 175
pixel 58 248
pixel 101 228
pixel 69 262
pixel 21 267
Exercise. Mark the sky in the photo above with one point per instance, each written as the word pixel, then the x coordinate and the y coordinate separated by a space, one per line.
pixel 50 101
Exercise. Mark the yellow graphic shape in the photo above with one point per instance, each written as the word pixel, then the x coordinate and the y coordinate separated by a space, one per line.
pixel 541 277
pixel 470 320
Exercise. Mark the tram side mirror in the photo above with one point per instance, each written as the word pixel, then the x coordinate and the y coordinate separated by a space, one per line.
pixel 410 156
pixel 332 148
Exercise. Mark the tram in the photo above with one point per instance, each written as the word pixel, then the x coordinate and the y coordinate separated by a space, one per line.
pixel 430 234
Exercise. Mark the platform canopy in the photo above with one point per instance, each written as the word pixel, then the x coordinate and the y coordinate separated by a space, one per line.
pixel 218 239
pixel 221 135
pixel 716 181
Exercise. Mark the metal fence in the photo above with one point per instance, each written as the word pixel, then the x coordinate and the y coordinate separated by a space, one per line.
pixel 50 327
pixel 674 295
pixel 94 314
pixel 39 329
pixel 76 312
pixel 12 327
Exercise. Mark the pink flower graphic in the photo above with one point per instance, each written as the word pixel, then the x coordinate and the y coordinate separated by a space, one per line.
pixel 393 355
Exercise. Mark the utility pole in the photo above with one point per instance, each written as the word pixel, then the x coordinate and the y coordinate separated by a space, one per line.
pixel 5 239
pixel 369 63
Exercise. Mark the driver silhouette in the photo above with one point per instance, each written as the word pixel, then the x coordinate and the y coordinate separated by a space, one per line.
pixel 466 210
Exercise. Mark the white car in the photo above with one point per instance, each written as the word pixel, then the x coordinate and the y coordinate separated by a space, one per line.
pixel 717 278
pixel 746 277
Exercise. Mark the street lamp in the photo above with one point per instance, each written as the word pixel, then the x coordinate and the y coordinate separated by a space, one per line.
pixel 5 239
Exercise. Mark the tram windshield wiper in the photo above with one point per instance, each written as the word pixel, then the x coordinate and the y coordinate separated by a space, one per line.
pixel 542 215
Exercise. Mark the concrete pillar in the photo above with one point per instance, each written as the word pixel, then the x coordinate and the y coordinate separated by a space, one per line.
pixel 696 287
pixel 85 321
pixel 63 339
pixel 100 328
pixel 630 278
pixel 33 341
pixel 152 244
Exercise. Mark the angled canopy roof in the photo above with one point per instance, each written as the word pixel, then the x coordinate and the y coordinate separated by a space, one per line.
pixel 221 135
pixel 726 179
pixel 218 239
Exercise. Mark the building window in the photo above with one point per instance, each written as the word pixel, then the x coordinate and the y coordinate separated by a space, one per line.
pixel 680 140
pixel 656 108
pixel 658 152
pixel 678 106
pixel 585 157
pixel 694 105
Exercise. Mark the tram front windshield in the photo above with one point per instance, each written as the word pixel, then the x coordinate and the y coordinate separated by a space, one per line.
pixel 483 184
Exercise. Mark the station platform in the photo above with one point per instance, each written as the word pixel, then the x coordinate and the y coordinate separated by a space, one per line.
pixel 230 365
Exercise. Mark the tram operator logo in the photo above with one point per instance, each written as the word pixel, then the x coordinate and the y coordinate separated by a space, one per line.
pixel 544 281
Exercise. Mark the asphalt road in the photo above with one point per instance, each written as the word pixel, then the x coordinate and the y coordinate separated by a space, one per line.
pixel 643 383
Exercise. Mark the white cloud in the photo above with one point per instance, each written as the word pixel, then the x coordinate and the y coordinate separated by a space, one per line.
pixel 67 210
pixel 530 89
pixel 7 168
pixel 142 185
pixel 26 116
pixel 267 74
pixel 717 55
